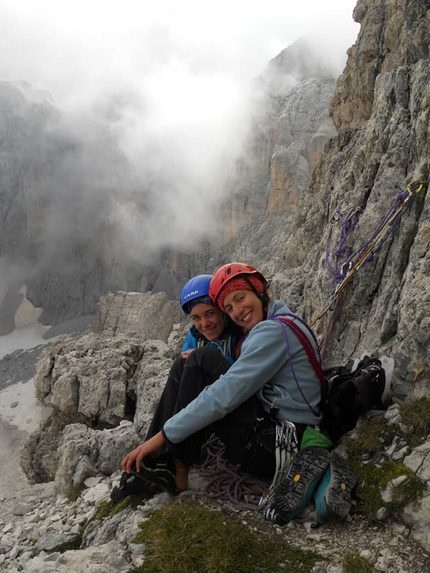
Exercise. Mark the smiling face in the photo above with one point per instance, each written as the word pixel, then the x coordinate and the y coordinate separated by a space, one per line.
pixel 244 308
pixel 208 320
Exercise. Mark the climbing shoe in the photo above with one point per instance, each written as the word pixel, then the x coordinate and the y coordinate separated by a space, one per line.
pixel 333 494
pixel 296 490
pixel 159 470
pixel 132 484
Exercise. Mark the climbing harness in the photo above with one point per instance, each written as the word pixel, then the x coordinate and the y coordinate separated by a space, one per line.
pixel 346 267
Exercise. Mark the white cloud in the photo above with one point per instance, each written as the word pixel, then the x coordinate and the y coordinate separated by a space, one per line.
pixel 83 46
pixel 169 79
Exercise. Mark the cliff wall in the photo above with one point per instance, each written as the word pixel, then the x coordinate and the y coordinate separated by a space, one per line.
pixel 380 108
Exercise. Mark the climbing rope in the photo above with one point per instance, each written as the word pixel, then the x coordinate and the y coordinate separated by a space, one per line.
pixel 227 482
pixel 348 220
pixel 346 266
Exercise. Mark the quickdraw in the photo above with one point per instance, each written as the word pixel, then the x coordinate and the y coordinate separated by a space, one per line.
pixel 343 270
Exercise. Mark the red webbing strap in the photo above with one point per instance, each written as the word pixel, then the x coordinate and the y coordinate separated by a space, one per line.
pixel 305 342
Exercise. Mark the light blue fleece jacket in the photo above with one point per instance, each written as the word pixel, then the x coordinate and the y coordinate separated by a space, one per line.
pixel 263 368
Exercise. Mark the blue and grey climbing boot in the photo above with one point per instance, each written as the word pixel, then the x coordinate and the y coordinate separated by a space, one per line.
pixel 296 491
pixel 333 494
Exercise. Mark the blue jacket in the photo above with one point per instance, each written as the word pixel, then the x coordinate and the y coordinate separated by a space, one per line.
pixel 265 369
pixel 227 346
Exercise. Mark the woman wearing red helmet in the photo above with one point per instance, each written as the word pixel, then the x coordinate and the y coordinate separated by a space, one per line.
pixel 272 385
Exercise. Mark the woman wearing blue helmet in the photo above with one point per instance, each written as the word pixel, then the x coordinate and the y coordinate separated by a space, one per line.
pixel 211 328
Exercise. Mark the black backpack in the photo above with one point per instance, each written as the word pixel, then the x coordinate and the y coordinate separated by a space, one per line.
pixel 347 392
pixel 353 389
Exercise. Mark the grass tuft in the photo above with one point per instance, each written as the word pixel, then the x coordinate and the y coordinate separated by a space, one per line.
pixel 185 538
pixel 354 563
pixel 110 508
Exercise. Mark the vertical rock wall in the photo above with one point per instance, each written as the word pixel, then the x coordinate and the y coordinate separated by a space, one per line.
pixel 381 109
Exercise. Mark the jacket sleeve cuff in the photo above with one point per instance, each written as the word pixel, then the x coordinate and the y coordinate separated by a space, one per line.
pixel 169 443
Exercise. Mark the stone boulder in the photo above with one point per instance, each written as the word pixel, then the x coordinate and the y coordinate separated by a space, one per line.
pixel 84 452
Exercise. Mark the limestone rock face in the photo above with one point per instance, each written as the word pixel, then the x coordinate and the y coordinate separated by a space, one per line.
pixel 394 35
pixel 373 158
pixel 84 452
pixel 87 378
pixel 381 109
pixel 287 141
pixel 142 314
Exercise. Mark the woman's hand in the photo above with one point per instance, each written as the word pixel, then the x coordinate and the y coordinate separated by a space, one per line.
pixel 151 446
pixel 186 353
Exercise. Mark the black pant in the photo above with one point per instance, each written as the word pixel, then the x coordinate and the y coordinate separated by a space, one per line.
pixel 248 433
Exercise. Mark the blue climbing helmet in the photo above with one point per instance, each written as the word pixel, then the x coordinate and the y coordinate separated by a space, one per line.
pixel 196 290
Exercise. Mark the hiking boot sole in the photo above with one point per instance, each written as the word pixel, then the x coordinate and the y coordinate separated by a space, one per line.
pixel 336 501
pixel 295 492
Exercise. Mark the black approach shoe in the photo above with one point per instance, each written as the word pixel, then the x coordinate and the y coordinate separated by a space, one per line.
pixel 130 484
pixel 159 470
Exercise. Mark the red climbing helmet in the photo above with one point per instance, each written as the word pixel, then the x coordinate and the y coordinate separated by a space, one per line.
pixel 228 272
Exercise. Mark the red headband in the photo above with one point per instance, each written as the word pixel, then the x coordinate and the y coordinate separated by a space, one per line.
pixel 239 283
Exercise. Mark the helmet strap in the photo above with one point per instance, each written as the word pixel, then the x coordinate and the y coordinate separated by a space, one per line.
pixel 264 296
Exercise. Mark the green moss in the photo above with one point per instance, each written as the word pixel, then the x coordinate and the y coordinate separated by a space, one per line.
pixel 353 563
pixel 415 418
pixel 374 471
pixel 109 508
pixel 185 538
pixel 103 510
pixel 74 491
pixel 373 434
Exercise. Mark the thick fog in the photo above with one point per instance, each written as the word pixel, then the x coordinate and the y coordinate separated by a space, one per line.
pixel 148 105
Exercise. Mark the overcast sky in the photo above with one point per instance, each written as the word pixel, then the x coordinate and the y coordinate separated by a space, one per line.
pixel 74 49
pixel 180 70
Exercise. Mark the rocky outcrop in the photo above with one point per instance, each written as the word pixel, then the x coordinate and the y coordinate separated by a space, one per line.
pixel 101 379
pixel 97 381
pixel 393 36
pixel 141 314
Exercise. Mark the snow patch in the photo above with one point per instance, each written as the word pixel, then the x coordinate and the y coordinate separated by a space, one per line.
pixel 19 407
pixel 23 339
